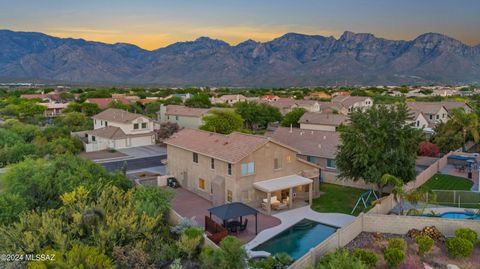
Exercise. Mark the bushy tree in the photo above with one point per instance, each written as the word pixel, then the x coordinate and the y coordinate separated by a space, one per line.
pixel 448 137
pixel 166 130
pixel 199 101
pixel 255 114
pixel 222 121
pixel 468 123
pixel 292 117
pixel 340 259
pixel 230 255
pixel 74 121
pixel 378 141
pixel 428 149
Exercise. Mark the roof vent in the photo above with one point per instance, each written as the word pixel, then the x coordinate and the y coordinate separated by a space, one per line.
pixel 319 146
pixel 324 137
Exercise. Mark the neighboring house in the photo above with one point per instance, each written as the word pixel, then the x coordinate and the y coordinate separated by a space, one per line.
pixel 330 107
pixel 353 102
pixel 229 99
pixel 186 117
pixel 444 92
pixel 449 105
pixel 53 109
pixel 420 122
pixel 183 96
pixel 240 167
pixel 270 98
pixel 286 105
pixel 434 112
pixel 102 103
pixel 130 98
pixel 318 147
pixel 322 121
pixel 117 128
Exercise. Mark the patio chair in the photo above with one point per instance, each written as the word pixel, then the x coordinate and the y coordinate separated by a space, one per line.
pixel 273 202
pixel 244 225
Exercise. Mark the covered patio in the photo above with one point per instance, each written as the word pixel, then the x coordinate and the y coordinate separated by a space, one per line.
pixel 284 188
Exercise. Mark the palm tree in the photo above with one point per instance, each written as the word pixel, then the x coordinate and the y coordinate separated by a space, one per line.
pixel 468 122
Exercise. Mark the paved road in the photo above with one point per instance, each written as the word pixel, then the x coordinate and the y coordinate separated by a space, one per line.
pixel 135 163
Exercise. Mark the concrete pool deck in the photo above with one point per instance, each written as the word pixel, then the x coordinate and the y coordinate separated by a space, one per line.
pixel 291 217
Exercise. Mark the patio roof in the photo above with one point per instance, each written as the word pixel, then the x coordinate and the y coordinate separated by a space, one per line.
pixel 282 183
pixel 232 210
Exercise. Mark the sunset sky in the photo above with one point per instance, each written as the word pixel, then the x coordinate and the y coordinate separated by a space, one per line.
pixel 154 24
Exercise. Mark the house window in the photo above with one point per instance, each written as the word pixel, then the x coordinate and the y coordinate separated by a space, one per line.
pixel 229 169
pixel 93 138
pixel 212 163
pixel 248 168
pixel 176 118
pixel 135 126
pixel 431 117
pixel 277 163
pixel 144 125
pixel 443 115
pixel 331 163
pixel 312 159
pixel 229 196
pixel 95 122
pixel 195 157
pixel 418 123
pixel 438 116
pixel 106 123
pixel 201 183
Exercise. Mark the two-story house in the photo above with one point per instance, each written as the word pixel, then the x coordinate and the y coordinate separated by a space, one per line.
pixel 433 112
pixel 186 117
pixel 230 99
pixel 117 129
pixel 322 121
pixel 353 102
pixel 315 146
pixel 286 105
pixel 252 169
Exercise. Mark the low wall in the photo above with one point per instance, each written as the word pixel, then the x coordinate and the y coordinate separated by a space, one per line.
pixel 383 205
pixel 401 224
pixel 174 218
pixel 426 174
pixel 331 177
pixel 380 223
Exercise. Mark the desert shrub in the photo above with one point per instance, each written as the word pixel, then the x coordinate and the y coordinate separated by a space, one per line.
pixel 458 247
pixel 467 234
pixel 425 244
pixel 176 264
pixel 397 243
pixel 230 255
pixel 277 261
pixel 190 242
pixel 340 259
pixel 184 224
pixel 394 256
pixel 369 258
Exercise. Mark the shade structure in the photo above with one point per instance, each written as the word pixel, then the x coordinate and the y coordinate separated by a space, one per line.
pixel 234 210
pixel 282 183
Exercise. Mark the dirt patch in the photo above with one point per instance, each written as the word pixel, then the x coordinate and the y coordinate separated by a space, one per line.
pixel 436 258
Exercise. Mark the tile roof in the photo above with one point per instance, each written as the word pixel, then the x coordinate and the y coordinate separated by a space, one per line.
pixel 323 118
pixel 117 115
pixel 308 142
pixel 425 107
pixel 348 100
pixel 186 111
pixel 112 132
pixel 230 148
pixel 449 105
pixel 103 102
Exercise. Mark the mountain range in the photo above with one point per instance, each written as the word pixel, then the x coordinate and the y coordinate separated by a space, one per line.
pixel 290 60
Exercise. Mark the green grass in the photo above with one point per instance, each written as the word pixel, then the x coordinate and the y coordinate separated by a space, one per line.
pixel 447 182
pixel 337 199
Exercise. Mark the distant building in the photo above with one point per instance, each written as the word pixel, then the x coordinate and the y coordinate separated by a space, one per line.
pixel 117 129
pixel 269 98
pixel 229 99
pixel 433 112
pixel 286 105
pixel 186 117
pixel 322 121
pixel 449 105
pixel 53 109
pixel 102 103
pixel 353 102
pixel 318 95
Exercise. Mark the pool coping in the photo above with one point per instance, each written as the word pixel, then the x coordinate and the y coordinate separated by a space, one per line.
pixel 290 218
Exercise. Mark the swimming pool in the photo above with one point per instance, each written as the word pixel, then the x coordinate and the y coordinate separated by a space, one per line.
pixel 460 215
pixel 298 239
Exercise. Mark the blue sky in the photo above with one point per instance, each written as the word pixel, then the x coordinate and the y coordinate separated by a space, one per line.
pixel 153 24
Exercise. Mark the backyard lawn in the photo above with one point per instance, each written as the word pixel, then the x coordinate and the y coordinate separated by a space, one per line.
pixel 447 182
pixel 337 199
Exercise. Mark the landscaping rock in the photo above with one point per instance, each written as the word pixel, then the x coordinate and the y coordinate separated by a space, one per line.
pixel 452 266
pixel 426 266
pixel 434 233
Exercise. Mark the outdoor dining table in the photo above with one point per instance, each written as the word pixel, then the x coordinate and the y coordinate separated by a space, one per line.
pixel 233 225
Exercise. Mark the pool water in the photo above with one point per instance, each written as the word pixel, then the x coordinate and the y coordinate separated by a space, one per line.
pixel 460 215
pixel 298 239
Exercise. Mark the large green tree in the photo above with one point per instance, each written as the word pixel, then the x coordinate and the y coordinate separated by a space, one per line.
pixel 292 117
pixel 257 115
pixel 448 136
pixel 376 142
pixel 199 101
pixel 468 122
pixel 222 121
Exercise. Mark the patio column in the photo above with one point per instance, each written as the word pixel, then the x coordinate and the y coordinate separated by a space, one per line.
pixel 310 193
pixel 269 203
pixel 290 198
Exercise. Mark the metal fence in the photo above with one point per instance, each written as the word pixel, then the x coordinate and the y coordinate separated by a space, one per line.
pixel 464 199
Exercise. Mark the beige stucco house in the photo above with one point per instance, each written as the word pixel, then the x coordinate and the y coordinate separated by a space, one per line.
pixel 117 129
pixel 255 170
pixel 353 102
pixel 186 117
pixel 433 112
pixel 230 99
pixel 322 121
